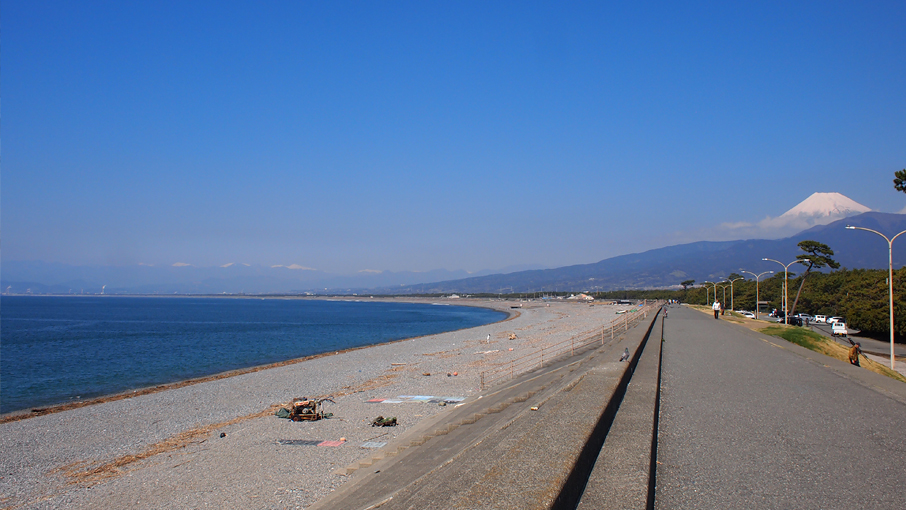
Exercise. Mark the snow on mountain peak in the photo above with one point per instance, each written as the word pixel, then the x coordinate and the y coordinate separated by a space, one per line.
pixel 818 209
pixel 821 206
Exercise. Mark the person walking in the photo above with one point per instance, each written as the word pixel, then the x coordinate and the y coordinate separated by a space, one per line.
pixel 716 308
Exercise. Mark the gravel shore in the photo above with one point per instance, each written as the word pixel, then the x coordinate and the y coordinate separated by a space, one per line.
pixel 165 450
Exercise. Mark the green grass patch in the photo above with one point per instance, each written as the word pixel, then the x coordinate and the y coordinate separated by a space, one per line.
pixel 824 345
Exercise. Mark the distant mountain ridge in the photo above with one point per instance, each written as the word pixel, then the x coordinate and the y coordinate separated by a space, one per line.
pixel 232 278
pixel 699 261
pixel 658 268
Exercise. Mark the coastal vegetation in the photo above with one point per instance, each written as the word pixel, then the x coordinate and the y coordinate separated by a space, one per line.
pixel 858 295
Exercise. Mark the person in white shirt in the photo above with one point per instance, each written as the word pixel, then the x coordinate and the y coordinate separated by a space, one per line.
pixel 716 308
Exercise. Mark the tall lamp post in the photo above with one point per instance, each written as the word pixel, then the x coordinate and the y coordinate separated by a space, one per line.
pixel 889 278
pixel 731 292
pixel 757 277
pixel 786 267
pixel 708 294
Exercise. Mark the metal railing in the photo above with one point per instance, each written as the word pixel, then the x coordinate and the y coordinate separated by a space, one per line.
pixel 538 358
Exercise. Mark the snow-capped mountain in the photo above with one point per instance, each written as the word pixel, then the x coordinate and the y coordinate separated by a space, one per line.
pixel 826 205
pixel 818 209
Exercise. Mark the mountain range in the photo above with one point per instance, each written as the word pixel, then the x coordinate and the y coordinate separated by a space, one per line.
pixel 658 268
pixel 699 261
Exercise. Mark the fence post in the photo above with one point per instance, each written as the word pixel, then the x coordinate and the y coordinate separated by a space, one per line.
pixel 602 335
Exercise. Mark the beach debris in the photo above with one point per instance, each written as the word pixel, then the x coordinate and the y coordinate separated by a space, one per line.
pixel 305 409
pixel 398 364
pixel 512 336
pixel 374 444
pixel 404 399
pixel 534 408
pixel 426 374
pixel 223 434
pixel 310 442
pixel 299 442
pixel 380 421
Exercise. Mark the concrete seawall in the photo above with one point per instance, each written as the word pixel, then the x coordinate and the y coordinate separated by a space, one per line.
pixel 541 440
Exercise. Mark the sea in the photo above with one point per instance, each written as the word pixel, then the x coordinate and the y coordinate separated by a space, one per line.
pixel 56 350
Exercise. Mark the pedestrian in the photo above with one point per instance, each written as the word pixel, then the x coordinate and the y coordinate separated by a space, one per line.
pixel 716 307
pixel 489 338
pixel 854 354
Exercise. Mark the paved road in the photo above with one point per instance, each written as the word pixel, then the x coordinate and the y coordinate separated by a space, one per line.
pixel 749 421
pixel 881 347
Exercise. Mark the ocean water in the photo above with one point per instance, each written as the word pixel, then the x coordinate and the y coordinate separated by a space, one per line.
pixel 59 349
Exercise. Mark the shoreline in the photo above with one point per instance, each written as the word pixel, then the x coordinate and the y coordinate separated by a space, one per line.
pixel 32 412
pixel 219 444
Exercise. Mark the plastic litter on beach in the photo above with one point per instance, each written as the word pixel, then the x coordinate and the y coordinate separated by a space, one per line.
pixel 373 444
pixel 405 399
pixel 310 442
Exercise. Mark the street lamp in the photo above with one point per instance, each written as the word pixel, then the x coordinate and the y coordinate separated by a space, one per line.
pixel 707 293
pixel 889 278
pixel 786 318
pixel 757 277
pixel 731 292
pixel 714 285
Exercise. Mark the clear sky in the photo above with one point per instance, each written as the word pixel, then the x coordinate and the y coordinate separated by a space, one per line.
pixel 422 135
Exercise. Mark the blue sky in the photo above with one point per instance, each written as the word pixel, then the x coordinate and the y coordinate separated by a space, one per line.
pixel 413 135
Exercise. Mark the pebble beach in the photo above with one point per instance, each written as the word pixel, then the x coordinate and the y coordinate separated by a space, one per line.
pixel 218 443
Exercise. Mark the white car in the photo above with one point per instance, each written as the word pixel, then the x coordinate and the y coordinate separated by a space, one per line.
pixel 838 329
pixel 747 314
pixel 821 318
pixel 835 319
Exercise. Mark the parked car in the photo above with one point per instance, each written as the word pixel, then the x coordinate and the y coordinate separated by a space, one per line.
pixel 835 319
pixel 838 329
pixel 794 321
pixel 821 318
pixel 747 314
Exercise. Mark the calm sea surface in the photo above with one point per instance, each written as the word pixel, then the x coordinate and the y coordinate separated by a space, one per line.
pixel 59 349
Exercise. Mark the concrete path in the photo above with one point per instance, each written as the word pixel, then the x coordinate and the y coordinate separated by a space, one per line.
pixel 750 421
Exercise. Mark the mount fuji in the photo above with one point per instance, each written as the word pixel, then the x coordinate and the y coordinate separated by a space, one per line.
pixel 818 209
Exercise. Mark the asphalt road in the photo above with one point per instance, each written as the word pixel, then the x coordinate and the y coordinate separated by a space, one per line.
pixel 879 347
pixel 749 421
